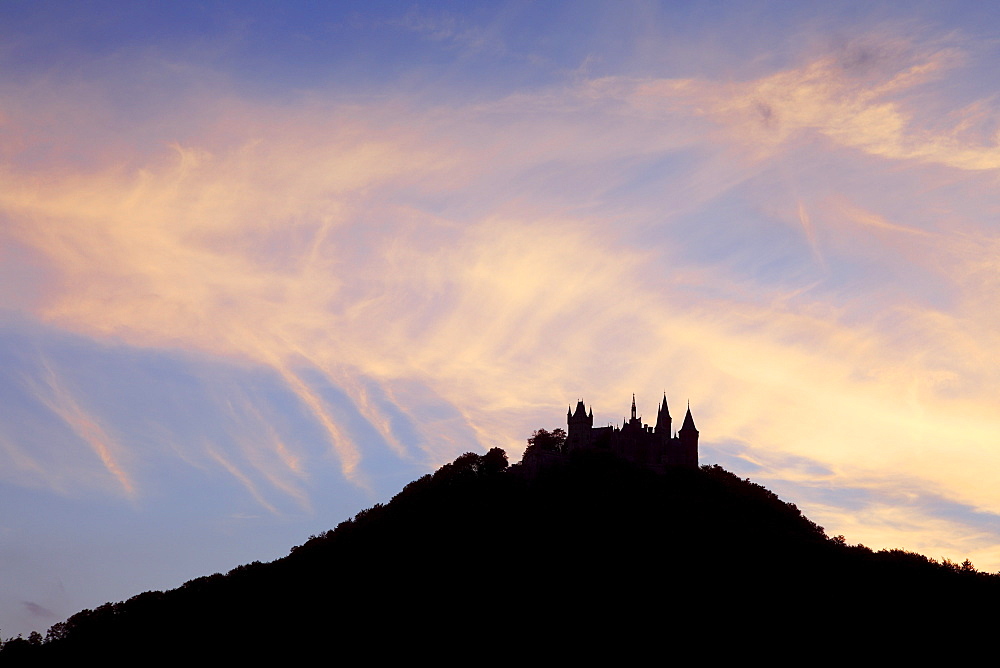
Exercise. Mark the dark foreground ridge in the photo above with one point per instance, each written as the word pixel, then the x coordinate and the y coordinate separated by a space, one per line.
pixel 595 556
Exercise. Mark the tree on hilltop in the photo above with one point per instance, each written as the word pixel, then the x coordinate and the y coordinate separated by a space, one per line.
pixel 543 440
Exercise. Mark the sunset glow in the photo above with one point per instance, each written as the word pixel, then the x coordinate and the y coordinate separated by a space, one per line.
pixel 260 271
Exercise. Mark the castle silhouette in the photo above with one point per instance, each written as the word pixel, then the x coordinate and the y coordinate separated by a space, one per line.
pixel 653 447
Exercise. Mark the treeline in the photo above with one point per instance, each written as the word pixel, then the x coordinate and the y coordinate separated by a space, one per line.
pixel 577 557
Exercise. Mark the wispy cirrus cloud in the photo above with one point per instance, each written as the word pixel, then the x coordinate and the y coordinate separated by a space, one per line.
pixel 856 98
pixel 87 428
pixel 492 258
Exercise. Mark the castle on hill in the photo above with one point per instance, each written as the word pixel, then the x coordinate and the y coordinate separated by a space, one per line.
pixel 655 447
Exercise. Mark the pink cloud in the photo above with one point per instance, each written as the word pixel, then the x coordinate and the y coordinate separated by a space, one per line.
pixel 479 255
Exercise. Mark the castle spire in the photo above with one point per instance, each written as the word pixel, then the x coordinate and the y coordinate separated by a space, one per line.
pixel 688 420
pixel 663 418
pixel 663 407
pixel 633 405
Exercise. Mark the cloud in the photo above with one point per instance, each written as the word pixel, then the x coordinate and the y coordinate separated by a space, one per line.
pixel 856 99
pixel 38 611
pixel 87 428
pixel 473 268
pixel 242 477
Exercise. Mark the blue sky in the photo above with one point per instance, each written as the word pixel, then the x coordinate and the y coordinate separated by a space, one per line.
pixel 262 265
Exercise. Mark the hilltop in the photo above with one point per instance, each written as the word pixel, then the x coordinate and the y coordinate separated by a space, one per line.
pixel 595 554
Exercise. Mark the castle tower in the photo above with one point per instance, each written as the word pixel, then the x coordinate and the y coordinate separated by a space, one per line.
pixel 663 419
pixel 687 440
pixel 578 427
pixel 662 451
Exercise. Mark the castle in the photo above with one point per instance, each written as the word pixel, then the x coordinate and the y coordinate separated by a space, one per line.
pixel 653 447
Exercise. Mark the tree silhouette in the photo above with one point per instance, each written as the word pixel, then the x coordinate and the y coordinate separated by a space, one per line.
pixel 543 440
pixel 591 533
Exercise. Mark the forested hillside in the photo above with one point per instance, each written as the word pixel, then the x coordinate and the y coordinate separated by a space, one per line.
pixel 592 555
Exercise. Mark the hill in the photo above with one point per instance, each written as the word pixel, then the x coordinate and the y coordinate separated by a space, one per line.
pixel 595 555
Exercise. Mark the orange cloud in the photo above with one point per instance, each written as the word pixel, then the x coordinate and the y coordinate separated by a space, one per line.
pixel 88 429
pixel 244 479
pixel 851 98
pixel 360 247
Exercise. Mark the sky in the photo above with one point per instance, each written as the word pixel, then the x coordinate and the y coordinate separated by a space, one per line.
pixel 263 264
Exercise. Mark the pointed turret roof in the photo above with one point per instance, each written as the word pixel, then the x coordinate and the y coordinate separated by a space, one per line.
pixel 688 420
pixel 663 418
pixel 581 410
pixel 663 406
